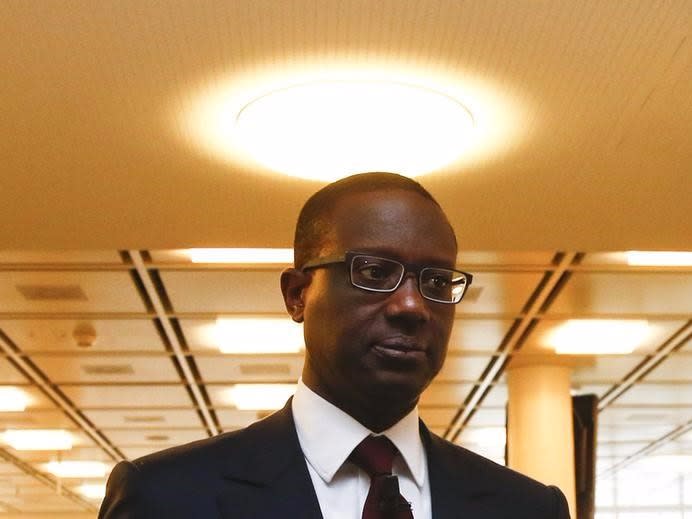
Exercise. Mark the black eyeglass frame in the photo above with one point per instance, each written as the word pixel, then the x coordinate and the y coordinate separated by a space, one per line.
pixel 414 268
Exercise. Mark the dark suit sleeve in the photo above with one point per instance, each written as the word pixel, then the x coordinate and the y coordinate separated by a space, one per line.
pixel 123 494
pixel 561 507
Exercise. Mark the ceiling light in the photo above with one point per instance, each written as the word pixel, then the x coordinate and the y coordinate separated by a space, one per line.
pixel 259 397
pixel 485 436
pixel 243 256
pixel 239 335
pixel 38 439
pixel 322 120
pixel 665 463
pixel 659 258
pixel 598 336
pixel 328 129
pixel 92 490
pixel 76 469
pixel 12 399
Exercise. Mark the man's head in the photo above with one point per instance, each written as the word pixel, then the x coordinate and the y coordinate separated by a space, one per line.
pixel 369 351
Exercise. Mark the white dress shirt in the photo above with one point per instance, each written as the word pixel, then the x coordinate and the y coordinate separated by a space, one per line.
pixel 327 436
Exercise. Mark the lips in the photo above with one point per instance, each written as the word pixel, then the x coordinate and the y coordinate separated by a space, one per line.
pixel 399 348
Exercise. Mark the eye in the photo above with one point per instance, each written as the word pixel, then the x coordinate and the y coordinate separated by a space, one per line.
pixel 374 271
pixel 439 281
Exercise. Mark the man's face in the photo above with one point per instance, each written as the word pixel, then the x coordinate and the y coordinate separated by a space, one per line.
pixel 367 345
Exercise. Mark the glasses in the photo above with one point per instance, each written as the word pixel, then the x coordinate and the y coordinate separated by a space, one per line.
pixel 376 274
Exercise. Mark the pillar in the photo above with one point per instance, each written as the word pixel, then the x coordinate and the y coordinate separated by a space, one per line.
pixel 540 438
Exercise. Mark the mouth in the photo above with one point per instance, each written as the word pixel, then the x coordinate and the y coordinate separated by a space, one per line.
pixel 399 349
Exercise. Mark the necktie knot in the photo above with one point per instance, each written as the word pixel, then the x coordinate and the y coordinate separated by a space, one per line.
pixel 375 455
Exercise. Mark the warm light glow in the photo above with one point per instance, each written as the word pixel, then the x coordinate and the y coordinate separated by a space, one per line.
pixel 325 120
pixel 259 397
pixel 92 490
pixel 659 258
pixel 485 436
pixel 598 336
pixel 38 439
pixel 328 129
pixel 12 399
pixel 244 256
pixel 76 469
pixel 258 335
pixel 665 463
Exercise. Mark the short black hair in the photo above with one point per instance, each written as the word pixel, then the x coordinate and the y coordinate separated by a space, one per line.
pixel 314 219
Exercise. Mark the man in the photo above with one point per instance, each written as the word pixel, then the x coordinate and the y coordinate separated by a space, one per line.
pixel 375 287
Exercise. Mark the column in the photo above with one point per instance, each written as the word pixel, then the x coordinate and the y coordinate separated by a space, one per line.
pixel 540 438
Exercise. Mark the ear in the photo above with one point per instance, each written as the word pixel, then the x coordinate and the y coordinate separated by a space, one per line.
pixel 293 284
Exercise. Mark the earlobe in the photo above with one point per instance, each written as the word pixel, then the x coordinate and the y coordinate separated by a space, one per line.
pixel 293 284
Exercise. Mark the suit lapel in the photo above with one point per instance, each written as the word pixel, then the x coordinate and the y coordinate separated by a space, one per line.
pixel 272 479
pixel 455 491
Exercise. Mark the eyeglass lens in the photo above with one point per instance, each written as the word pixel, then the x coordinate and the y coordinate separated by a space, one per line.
pixel 383 275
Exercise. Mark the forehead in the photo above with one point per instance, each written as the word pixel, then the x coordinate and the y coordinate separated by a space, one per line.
pixel 400 223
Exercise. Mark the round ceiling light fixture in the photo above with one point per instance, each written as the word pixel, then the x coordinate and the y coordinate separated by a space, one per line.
pixel 324 130
pixel 327 119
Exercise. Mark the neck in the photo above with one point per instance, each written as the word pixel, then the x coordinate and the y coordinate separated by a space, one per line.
pixel 377 414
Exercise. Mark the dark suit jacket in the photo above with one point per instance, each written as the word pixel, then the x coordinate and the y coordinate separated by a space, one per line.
pixel 260 473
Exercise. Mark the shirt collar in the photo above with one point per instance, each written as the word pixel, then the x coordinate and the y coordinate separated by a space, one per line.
pixel 328 435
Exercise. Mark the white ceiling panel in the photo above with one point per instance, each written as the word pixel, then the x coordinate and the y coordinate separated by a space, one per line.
pixel 676 368
pixel 231 419
pixel 58 334
pixel 9 374
pixel 63 257
pixel 137 396
pixel 445 394
pixel 628 433
pixel 145 437
pixel 463 369
pixel 87 292
pixel 35 419
pixel 224 292
pixel 142 419
pixel 652 415
pixel 73 369
pixel 662 394
pixel 251 368
pixel 625 293
pixel 478 334
pixel 499 293
pixel 488 417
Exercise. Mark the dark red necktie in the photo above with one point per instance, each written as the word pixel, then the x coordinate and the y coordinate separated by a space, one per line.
pixel 375 455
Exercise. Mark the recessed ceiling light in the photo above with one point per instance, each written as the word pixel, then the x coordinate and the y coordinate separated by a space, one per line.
pixel 38 439
pixel 92 490
pixel 12 399
pixel 76 469
pixel 258 335
pixel 598 336
pixel 659 258
pixel 259 397
pixel 323 120
pixel 330 128
pixel 243 256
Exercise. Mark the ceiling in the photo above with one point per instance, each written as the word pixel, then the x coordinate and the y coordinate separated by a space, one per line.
pixel 98 152
pixel 102 181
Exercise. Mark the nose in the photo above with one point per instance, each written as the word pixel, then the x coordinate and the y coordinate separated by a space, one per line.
pixel 406 304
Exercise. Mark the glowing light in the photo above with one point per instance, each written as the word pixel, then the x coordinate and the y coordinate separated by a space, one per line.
pixel 236 335
pixel 259 397
pixel 92 490
pixel 76 469
pixel 38 439
pixel 12 399
pixel 328 129
pixel 325 120
pixel 598 336
pixel 243 256
pixel 659 258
